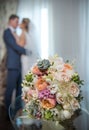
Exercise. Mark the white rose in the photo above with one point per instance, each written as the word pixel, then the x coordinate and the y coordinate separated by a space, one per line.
pixel 59 67
pixel 56 60
pixel 70 73
pixel 65 114
pixel 74 90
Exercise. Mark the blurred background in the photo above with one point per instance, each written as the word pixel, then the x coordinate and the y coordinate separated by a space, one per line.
pixel 59 27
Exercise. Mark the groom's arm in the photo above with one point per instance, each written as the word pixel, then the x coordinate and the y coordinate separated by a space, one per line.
pixel 12 43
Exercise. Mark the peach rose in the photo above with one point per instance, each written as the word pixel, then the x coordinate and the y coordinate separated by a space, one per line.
pixel 36 71
pixel 67 67
pixel 48 103
pixel 41 84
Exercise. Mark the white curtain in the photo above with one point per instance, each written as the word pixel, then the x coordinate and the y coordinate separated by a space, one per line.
pixel 36 10
pixel 68 34
pixel 71 32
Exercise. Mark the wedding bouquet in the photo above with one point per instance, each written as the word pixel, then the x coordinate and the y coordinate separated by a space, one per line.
pixel 51 90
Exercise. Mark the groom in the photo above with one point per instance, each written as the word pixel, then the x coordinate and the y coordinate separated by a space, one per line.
pixel 13 62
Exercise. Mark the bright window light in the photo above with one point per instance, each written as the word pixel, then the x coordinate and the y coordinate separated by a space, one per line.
pixel 44 33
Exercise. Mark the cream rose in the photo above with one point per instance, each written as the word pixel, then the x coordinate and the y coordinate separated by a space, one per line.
pixel 74 104
pixel 61 76
pixel 66 106
pixel 74 90
pixel 59 98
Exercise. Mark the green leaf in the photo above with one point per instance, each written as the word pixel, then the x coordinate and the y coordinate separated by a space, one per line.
pixel 29 77
pixel 48 115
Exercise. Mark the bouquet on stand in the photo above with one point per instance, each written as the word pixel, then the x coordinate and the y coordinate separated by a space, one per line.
pixel 51 90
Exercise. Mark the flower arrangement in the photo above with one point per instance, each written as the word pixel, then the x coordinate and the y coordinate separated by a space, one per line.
pixel 51 90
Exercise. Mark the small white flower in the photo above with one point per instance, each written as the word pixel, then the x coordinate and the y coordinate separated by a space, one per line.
pixel 25 89
pixel 54 111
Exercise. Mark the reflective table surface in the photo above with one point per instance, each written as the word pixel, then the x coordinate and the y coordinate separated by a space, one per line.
pixel 20 121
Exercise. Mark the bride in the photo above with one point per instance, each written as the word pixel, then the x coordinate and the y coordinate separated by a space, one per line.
pixel 25 40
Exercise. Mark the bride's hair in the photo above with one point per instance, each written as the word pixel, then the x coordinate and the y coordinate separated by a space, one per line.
pixel 26 21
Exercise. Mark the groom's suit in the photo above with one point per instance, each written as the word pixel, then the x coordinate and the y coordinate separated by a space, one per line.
pixel 13 64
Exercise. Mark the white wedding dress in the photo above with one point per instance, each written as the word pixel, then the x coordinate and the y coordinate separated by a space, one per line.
pixel 28 61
